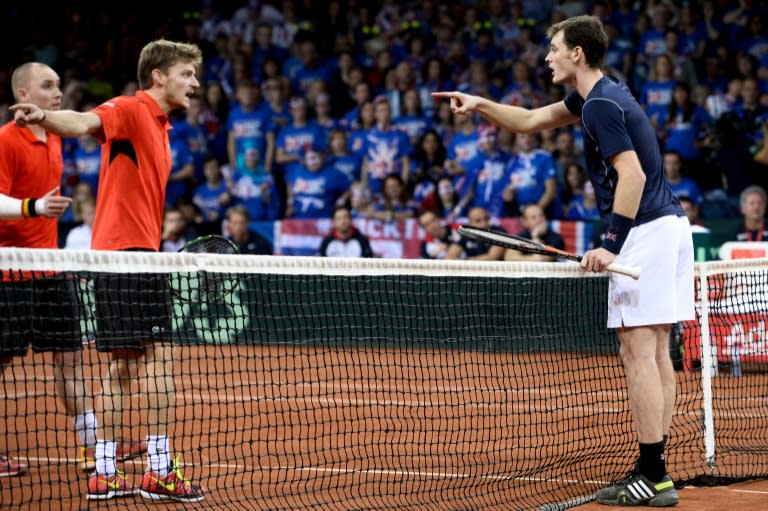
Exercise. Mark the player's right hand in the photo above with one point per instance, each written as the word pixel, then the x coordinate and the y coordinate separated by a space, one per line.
pixel 25 114
pixel 460 103
pixel 597 259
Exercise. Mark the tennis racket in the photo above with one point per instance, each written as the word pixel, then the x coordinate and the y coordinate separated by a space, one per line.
pixel 203 285
pixel 532 247
pixel 210 244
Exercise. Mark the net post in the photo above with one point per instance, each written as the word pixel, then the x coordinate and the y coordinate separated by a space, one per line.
pixel 707 367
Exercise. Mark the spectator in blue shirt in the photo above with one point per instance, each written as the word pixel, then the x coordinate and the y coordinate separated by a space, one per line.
pixel 395 203
pixel 412 120
pixel 387 149
pixel 253 187
pixel 680 184
pixel 686 129
pixel 312 68
pixel 340 158
pixel 248 126
pixel 212 197
pixel 182 170
pixel 301 134
pixel 86 161
pixel 484 184
pixel 656 94
pixel 190 129
pixel 584 205
pixel 531 177
pixel 313 188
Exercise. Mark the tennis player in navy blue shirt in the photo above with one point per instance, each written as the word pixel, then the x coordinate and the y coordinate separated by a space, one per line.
pixel 646 228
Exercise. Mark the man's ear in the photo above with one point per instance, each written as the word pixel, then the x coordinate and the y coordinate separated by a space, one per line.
pixel 158 77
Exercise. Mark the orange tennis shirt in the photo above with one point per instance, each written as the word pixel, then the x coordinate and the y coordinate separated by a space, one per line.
pixel 29 168
pixel 135 164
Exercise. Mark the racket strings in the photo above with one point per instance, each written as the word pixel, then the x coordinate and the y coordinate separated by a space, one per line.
pixel 211 245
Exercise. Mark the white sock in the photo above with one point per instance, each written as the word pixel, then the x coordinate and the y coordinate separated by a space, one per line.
pixel 105 457
pixel 159 454
pixel 85 426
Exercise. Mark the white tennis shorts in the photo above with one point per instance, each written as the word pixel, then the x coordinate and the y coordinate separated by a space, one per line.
pixel 664 293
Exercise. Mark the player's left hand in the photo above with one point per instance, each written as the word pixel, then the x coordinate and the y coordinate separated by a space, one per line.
pixel 597 259
pixel 26 114
pixel 54 204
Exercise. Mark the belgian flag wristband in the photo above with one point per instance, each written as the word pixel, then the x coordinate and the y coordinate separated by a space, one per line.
pixel 28 208
pixel 617 233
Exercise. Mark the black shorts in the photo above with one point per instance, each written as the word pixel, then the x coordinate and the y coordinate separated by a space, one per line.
pixel 132 309
pixel 44 312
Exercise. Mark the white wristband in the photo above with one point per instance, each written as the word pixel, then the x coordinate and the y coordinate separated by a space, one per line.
pixel 40 206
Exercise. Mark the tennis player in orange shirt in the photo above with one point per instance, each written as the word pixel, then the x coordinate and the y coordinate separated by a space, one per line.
pixel 136 162
pixel 31 166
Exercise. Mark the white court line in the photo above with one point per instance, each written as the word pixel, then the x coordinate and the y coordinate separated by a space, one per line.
pixel 339 471
pixel 62 461
pixel 545 393
pixel 190 397
pixel 207 397
pixel 759 492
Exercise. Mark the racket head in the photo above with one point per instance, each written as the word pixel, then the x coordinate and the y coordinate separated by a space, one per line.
pixel 204 286
pixel 501 239
pixel 210 244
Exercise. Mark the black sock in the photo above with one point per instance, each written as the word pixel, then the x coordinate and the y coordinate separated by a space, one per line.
pixel 652 464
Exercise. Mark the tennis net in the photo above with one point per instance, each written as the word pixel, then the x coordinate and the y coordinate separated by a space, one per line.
pixel 312 383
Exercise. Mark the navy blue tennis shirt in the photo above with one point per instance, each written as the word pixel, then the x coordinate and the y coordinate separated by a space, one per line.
pixel 613 122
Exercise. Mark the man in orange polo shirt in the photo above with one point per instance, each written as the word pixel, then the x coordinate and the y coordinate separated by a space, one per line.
pixel 136 161
pixel 31 166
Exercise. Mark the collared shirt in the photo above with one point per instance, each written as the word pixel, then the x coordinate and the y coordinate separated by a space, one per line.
pixel 613 122
pixel 135 164
pixel 29 168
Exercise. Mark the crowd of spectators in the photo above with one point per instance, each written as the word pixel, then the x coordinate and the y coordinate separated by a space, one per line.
pixel 306 105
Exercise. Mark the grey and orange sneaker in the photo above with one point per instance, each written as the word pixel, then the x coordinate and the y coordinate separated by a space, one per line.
pixel 637 490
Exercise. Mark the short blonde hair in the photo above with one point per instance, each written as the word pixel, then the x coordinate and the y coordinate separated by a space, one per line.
pixel 162 54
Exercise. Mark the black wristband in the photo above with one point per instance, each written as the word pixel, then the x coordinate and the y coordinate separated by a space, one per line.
pixel 31 211
pixel 617 233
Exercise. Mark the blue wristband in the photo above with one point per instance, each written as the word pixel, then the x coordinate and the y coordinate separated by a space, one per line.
pixel 617 233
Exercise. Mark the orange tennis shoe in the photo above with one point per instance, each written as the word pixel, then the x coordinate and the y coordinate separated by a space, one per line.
pixel 172 486
pixel 9 468
pixel 103 487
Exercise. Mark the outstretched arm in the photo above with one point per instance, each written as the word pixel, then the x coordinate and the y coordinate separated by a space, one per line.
pixel 512 118
pixel 64 123
pixel 50 205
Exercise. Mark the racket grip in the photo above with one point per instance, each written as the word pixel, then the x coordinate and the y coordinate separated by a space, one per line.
pixel 629 271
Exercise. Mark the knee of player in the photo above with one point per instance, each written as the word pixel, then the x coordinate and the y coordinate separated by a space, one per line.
pixel 122 370
pixel 68 359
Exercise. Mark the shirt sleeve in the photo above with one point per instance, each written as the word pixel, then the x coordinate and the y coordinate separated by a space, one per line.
pixel 574 103
pixel 114 123
pixel 604 123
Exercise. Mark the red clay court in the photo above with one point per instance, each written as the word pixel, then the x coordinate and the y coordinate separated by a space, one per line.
pixel 288 427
